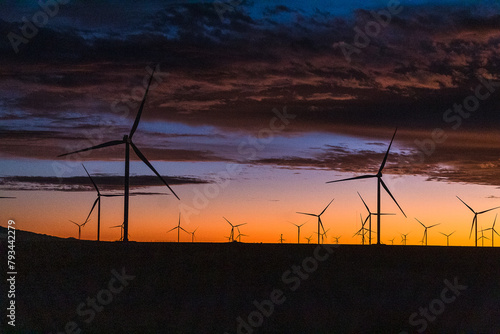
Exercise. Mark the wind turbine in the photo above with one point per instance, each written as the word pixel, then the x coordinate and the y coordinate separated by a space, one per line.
pixel 298 228
pixel 320 223
pixel 403 238
pixel 179 228
pixel 362 230
pixel 392 240
pixel 337 239
pixel 482 237
pixel 493 231
pixel 98 202
pixel 121 231
pixel 323 236
pixel 474 220
pixel 308 239
pixel 447 237
pixel 369 218
pixel 281 238
pixel 80 227
pixel 380 182
pixel 192 234
pixel 425 231
pixel 127 140
pixel 241 235
pixel 232 228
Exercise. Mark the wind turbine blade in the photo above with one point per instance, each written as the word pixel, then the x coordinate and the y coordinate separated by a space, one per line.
pixel 93 206
pixel 367 217
pixel 420 222
pixel 326 207
pixel 494 222
pixel 354 178
pixel 139 113
pixel 74 223
pixel 173 229
pixel 184 230
pixel 384 214
pixel 113 195
pixel 472 227
pixel 115 226
pixel 90 177
pixel 387 153
pixel 309 214
pixel 434 225
pixel 387 189
pixel 466 204
pixel 306 222
pixel 109 143
pixel 240 225
pixel 488 210
pixel 145 160
pixel 228 222
pixel 366 206
pixel 443 234
pixel 452 232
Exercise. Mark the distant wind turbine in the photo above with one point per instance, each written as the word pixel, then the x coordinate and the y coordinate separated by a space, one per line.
pixel 127 140
pixel 232 228
pixel 121 231
pixel 320 223
pixel 362 230
pixel 308 239
pixel 369 218
pixel 98 202
pixel 179 228
pixel 80 227
pixel 281 238
pixel 241 235
pixel 482 237
pixel 474 220
pixel 192 234
pixel 493 231
pixel 425 231
pixel 403 238
pixel 380 182
pixel 298 228
pixel 447 237
pixel 392 240
pixel 337 239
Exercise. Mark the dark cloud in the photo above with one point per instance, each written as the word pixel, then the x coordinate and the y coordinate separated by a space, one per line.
pixel 82 183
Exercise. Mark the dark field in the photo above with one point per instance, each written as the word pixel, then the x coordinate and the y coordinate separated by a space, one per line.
pixel 205 288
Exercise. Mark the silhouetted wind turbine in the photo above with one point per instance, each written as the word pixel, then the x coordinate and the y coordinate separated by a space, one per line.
pixel 493 231
pixel 320 223
pixel 241 235
pixel 447 237
pixel 80 227
pixel 121 231
pixel 323 236
pixel 482 237
pixel 403 238
pixel 362 230
pixel 298 228
pixel 380 182
pixel 425 231
pixel 474 220
pixel 337 239
pixel 308 239
pixel 192 234
pixel 232 228
pixel 392 240
pixel 281 238
pixel 98 202
pixel 179 228
pixel 127 140
pixel 369 218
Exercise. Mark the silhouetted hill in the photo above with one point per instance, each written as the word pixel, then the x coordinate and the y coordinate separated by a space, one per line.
pixel 210 287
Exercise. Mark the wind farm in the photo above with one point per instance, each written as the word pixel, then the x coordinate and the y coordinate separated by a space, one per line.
pixel 159 160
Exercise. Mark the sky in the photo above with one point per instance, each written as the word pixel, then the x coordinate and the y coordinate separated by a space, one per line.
pixel 254 106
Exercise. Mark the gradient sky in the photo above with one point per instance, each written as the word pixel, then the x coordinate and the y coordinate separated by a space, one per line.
pixel 223 77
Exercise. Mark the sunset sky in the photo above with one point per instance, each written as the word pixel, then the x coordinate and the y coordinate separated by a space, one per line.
pixel 255 106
